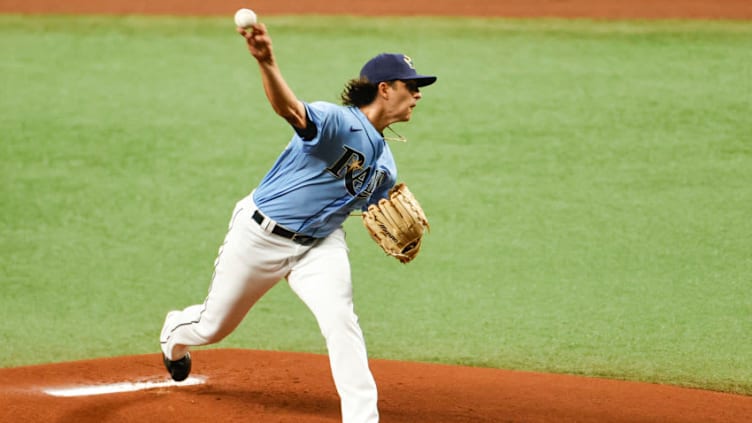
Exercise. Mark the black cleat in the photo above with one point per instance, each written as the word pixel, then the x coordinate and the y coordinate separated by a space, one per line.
pixel 178 369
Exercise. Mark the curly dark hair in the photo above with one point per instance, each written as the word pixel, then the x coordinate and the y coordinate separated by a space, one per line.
pixel 359 92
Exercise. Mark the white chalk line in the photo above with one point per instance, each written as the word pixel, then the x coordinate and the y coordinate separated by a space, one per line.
pixel 116 388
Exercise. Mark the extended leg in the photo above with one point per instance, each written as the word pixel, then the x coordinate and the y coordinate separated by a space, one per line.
pixel 322 280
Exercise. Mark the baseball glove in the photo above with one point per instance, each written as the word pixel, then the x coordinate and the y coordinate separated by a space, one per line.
pixel 397 223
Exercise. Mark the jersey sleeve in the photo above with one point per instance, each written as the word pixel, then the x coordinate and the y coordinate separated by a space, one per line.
pixel 325 118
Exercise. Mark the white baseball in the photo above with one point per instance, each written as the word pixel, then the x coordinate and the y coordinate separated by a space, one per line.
pixel 244 18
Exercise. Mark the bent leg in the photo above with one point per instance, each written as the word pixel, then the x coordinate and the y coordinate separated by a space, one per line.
pixel 247 266
pixel 322 280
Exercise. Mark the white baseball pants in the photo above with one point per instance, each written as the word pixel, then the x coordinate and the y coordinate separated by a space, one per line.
pixel 249 263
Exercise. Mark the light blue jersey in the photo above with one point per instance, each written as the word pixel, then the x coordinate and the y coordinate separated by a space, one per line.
pixel 315 184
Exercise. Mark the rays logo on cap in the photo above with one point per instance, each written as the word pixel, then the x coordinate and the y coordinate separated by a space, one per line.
pixel 408 60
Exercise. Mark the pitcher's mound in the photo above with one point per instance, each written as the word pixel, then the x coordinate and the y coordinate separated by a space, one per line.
pixel 234 385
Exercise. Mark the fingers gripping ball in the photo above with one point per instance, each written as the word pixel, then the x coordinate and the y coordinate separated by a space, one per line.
pixel 244 18
pixel 397 224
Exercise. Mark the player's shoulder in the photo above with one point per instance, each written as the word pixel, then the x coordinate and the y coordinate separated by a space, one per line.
pixel 326 107
pixel 328 113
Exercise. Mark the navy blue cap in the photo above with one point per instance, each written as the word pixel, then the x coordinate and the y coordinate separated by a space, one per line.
pixel 391 67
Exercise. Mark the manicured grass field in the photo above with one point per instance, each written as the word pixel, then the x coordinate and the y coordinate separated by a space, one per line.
pixel 588 185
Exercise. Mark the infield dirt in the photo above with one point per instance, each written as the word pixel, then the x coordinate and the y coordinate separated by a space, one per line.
pixel 263 386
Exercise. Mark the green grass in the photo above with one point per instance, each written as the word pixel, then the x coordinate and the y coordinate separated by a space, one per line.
pixel 587 185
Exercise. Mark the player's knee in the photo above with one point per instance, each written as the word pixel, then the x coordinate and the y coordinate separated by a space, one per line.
pixel 337 321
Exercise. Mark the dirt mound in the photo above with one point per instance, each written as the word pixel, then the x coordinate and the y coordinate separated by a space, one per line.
pixel 234 385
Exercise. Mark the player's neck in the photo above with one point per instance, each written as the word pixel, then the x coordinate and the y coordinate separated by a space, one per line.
pixel 376 115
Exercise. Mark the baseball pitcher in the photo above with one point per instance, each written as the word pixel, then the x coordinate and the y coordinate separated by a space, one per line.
pixel 290 226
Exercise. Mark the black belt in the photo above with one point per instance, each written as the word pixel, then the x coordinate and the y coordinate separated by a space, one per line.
pixel 284 233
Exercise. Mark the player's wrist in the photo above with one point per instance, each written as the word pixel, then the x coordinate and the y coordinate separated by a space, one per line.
pixel 266 60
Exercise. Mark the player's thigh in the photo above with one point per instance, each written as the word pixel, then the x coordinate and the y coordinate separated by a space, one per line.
pixel 248 264
pixel 322 279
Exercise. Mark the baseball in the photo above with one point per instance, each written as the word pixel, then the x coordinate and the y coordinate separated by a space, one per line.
pixel 244 18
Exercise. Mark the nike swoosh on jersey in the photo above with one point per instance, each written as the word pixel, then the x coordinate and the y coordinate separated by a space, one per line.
pixel 354 129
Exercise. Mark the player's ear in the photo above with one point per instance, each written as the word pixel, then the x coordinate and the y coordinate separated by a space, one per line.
pixel 383 90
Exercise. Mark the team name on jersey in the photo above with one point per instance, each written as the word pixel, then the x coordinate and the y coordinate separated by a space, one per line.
pixel 358 180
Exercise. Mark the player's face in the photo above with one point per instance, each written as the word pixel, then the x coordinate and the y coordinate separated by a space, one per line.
pixel 404 98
